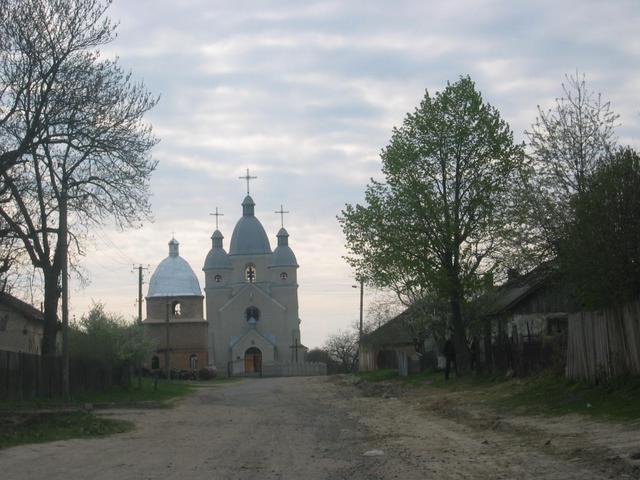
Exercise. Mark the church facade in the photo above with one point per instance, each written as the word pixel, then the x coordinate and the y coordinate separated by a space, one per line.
pixel 251 297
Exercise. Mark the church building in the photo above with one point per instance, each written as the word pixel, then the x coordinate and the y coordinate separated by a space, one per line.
pixel 251 296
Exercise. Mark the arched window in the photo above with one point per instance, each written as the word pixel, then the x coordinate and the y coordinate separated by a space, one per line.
pixel 252 312
pixel 218 278
pixel 283 276
pixel 176 309
pixel 250 273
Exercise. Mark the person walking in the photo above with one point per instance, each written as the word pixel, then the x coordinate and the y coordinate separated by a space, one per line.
pixel 449 352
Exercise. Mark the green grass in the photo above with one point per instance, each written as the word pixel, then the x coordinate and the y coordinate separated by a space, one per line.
pixel 29 428
pixel 166 390
pixel 546 393
pixel 379 375
pixel 551 395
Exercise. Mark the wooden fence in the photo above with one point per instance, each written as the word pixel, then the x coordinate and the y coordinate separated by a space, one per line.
pixel 604 344
pixel 24 376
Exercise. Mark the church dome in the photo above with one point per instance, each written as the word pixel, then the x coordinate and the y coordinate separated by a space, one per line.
pixel 249 237
pixel 217 258
pixel 174 277
pixel 283 255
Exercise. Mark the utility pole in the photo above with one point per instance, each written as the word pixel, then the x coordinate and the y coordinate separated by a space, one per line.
pixel 140 268
pixel 167 355
pixel 64 251
pixel 360 328
pixel 361 304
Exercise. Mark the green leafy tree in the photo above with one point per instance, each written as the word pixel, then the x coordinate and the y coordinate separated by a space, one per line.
pixel 446 211
pixel 109 340
pixel 599 251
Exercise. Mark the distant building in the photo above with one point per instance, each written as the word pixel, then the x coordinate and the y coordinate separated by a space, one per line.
pixel 174 314
pixel 252 299
pixel 252 324
pixel 21 326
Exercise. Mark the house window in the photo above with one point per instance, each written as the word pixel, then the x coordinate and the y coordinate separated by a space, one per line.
pixel 155 362
pixel 250 273
pixel 193 361
pixel 284 276
pixel 177 311
pixel 218 278
pixel 3 322
pixel 557 325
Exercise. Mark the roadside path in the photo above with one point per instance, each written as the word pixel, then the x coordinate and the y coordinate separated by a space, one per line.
pixel 289 428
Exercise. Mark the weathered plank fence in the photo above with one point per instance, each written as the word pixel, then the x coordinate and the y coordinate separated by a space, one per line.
pixel 604 344
pixel 25 376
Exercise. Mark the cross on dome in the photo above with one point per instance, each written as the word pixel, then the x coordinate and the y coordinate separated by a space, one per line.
pixel 282 212
pixel 248 178
pixel 217 215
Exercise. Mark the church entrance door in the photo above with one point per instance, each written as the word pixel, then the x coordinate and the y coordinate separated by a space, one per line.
pixel 253 360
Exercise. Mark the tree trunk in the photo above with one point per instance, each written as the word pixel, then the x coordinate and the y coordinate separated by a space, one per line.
pixel 459 337
pixel 49 334
pixel 63 248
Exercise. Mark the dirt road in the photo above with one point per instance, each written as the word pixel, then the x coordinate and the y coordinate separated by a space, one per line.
pixel 297 428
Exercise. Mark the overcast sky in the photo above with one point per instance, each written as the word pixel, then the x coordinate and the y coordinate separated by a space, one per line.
pixel 306 94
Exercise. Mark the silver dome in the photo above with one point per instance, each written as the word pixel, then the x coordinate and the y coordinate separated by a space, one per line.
pixel 174 277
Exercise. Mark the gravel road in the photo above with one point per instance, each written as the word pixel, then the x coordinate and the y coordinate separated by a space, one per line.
pixel 291 428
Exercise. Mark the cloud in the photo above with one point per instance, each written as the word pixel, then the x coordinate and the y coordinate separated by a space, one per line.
pixel 306 94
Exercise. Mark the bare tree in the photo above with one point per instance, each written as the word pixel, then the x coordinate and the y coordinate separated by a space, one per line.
pixel 565 146
pixel 88 149
pixel 343 348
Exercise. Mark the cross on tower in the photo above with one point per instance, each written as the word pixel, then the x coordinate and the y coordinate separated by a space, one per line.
pixel 217 215
pixel 247 177
pixel 281 212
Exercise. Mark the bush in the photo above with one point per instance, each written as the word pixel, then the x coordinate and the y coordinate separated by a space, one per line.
pixel 207 373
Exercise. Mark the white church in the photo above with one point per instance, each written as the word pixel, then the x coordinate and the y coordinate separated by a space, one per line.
pixel 252 324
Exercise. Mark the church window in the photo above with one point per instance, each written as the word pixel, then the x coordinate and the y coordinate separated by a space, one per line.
pixel 193 361
pixel 218 278
pixel 177 311
pixel 284 275
pixel 252 312
pixel 250 273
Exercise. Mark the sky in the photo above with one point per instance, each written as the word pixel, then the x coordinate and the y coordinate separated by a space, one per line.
pixel 305 94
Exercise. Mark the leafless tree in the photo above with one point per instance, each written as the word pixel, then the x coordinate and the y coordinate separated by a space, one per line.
pixel 565 145
pixel 343 348
pixel 73 145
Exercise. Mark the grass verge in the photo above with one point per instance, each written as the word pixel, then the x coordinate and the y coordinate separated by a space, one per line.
pixel 167 390
pixel 20 429
pixel 545 393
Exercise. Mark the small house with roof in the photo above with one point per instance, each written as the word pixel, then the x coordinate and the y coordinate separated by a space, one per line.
pixel 21 326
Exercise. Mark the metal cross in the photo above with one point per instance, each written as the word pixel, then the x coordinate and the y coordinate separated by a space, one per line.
pixel 282 212
pixel 247 177
pixel 217 215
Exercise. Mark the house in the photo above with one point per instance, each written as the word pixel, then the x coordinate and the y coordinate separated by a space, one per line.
pixel 526 322
pixel 21 326
pixel 393 346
